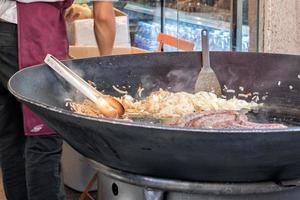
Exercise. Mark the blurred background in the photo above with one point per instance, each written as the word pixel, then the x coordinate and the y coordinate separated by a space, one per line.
pixel 226 20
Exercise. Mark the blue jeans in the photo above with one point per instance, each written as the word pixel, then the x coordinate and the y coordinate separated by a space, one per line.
pixel 30 165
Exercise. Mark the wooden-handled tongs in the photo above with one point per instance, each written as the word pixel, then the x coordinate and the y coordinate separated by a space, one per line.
pixel 108 106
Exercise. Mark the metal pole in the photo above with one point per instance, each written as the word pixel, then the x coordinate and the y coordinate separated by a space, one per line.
pixel 236 25
pixel 239 34
pixel 257 24
pixel 233 25
pixel 162 15
pixel 162 19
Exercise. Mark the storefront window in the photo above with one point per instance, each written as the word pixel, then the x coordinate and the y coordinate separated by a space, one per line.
pixel 145 21
pixel 226 20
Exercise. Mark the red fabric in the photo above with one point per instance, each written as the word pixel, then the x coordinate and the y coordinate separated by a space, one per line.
pixel 41 30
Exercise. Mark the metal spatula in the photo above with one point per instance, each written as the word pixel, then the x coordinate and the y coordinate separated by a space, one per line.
pixel 107 105
pixel 207 79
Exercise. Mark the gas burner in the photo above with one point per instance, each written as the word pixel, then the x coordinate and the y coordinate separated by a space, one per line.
pixel 119 185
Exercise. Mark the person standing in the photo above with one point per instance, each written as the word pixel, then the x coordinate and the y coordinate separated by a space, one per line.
pixel 25 39
pixel 29 30
pixel 104 24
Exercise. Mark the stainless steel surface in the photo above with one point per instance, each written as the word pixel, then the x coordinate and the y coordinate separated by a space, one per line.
pixel 118 185
pixel 77 171
pixel 207 79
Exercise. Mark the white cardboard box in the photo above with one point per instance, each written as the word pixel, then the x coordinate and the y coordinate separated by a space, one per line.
pixel 92 51
pixel 81 32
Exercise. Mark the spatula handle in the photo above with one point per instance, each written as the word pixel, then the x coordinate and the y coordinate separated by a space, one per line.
pixel 107 105
pixel 205 49
pixel 72 78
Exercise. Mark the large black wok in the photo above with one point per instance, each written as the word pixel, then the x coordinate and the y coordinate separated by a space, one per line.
pixel 220 155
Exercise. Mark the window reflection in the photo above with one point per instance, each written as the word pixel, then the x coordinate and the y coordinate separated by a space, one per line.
pixel 185 19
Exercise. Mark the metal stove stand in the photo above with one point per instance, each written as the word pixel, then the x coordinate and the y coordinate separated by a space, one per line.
pixel 118 185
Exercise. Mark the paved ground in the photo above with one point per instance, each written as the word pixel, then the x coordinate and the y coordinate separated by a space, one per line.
pixel 73 195
pixel 1 188
pixel 70 194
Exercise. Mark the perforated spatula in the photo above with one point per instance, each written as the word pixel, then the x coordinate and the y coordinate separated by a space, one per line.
pixel 108 106
pixel 207 79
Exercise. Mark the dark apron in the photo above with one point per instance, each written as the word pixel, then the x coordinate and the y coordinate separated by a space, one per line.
pixel 41 30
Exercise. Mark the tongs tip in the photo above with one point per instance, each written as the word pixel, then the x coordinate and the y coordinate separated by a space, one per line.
pixel 109 106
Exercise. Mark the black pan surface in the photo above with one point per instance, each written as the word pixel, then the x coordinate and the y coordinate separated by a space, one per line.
pixel 214 155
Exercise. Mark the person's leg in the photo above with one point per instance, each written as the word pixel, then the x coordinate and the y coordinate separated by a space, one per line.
pixel 43 168
pixel 12 137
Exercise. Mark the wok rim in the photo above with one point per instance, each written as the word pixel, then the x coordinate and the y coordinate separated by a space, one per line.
pixel 147 125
